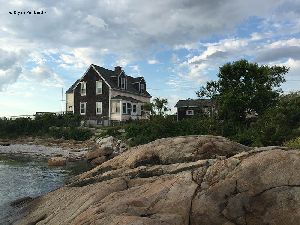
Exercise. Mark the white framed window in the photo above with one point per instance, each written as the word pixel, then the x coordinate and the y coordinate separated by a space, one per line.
pixel 124 108
pixel 142 87
pixel 190 112
pixel 98 108
pixel 123 83
pixel 82 108
pixel 129 108
pixel 98 87
pixel 134 108
pixel 115 107
pixel 83 88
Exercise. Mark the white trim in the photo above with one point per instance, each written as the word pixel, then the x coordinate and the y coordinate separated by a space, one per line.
pixel 99 81
pixel 98 113
pixel 100 75
pixel 109 102
pixel 189 112
pixel 83 82
pixel 191 106
pixel 82 77
pixel 84 108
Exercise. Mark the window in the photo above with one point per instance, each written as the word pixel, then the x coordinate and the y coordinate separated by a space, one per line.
pixel 142 87
pixel 142 110
pixel 98 108
pixel 83 88
pixel 123 83
pixel 134 108
pixel 115 107
pixel 98 87
pixel 189 112
pixel 82 108
pixel 129 108
pixel 124 111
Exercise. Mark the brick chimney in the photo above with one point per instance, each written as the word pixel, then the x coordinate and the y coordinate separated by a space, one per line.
pixel 118 70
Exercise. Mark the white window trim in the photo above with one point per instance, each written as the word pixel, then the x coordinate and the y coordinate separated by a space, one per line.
pixel 127 108
pixel 99 82
pixel 132 112
pixel 123 81
pixel 99 113
pixel 189 112
pixel 124 113
pixel 81 108
pixel 142 89
pixel 82 94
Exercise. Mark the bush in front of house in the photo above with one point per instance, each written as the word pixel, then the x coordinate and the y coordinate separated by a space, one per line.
pixel 67 133
pixel 142 132
pixel 40 126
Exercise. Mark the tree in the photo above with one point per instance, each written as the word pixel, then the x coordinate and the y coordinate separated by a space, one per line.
pixel 244 88
pixel 158 107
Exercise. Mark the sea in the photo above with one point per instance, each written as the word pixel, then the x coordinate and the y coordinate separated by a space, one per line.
pixel 27 177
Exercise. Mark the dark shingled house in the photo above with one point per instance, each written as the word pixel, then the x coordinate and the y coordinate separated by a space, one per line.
pixel 193 107
pixel 103 96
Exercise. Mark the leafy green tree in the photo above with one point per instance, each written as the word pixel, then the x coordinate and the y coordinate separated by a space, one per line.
pixel 244 88
pixel 158 107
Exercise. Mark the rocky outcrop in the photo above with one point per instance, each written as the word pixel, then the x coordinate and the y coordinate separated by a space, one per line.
pixel 185 180
pixel 57 161
pixel 105 149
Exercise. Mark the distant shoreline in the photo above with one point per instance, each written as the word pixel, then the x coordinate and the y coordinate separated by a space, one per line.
pixel 45 148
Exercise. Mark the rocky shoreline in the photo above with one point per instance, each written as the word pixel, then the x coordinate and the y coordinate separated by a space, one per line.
pixel 184 180
pixel 58 149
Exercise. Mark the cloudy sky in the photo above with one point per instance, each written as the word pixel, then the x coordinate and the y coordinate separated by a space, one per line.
pixel 176 45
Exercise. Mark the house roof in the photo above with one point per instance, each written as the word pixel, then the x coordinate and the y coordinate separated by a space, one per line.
pixel 108 77
pixel 194 103
pixel 126 98
pixel 108 74
pixel 70 90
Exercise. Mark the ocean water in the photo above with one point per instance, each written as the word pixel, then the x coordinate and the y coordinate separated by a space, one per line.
pixel 21 178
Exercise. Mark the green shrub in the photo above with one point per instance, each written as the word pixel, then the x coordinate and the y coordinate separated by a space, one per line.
pixel 79 134
pixel 38 127
pixel 294 143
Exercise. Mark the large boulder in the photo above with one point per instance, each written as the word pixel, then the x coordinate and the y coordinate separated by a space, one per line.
pixel 99 152
pixel 177 181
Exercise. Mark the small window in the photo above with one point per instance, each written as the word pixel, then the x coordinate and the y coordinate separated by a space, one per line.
pixel 129 108
pixel 123 83
pixel 98 108
pixel 189 112
pixel 142 87
pixel 82 108
pixel 98 87
pixel 124 108
pixel 142 109
pixel 134 108
pixel 83 88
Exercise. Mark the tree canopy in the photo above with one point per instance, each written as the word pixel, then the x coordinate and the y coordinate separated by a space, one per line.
pixel 244 88
pixel 157 107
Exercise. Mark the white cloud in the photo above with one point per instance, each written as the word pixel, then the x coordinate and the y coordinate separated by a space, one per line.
pixel 45 76
pixel 9 76
pixel 152 61
pixel 96 22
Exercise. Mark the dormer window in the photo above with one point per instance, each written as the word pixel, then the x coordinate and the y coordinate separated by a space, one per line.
pixel 83 88
pixel 123 83
pixel 142 87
